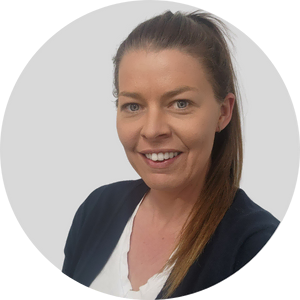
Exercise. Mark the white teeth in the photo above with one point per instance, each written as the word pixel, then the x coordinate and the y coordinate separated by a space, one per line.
pixel 161 156
pixel 154 157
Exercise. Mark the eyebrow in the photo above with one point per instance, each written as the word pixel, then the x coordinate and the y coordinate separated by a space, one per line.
pixel 166 95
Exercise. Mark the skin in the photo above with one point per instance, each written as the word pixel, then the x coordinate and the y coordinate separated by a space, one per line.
pixel 156 122
pixel 166 102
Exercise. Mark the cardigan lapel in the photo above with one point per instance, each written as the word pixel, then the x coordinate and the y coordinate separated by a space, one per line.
pixel 106 229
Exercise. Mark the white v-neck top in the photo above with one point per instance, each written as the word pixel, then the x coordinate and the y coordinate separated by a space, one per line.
pixel 113 279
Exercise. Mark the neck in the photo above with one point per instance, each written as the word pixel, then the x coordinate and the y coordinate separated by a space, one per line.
pixel 171 206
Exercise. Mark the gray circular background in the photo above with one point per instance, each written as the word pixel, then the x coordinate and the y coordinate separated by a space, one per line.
pixel 60 142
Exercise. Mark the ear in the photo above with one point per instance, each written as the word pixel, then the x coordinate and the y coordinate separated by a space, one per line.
pixel 226 109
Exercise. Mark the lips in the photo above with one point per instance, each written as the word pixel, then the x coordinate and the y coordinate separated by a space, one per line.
pixel 161 156
pixel 150 151
pixel 161 164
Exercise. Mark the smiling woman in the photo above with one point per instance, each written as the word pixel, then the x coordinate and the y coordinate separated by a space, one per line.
pixel 185 225
pixel 174 111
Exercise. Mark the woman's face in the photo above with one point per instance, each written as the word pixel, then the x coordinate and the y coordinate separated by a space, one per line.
pixel 167 117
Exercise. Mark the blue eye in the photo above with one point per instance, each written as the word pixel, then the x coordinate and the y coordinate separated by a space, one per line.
pixel 133 107
pixel 182 103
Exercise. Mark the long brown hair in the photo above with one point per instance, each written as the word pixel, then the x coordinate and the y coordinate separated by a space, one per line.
pixel 204 37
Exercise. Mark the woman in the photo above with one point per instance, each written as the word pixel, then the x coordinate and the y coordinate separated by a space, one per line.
pixel 185 225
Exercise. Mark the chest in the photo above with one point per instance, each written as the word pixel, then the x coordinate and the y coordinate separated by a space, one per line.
pixel 150 248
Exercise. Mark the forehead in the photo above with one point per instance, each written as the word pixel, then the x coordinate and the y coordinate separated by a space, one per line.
pixel 145 71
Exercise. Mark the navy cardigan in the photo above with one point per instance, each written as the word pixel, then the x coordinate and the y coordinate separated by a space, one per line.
pixel 100 220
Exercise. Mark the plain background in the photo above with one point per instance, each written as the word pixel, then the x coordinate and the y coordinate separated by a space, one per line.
pixel 59 140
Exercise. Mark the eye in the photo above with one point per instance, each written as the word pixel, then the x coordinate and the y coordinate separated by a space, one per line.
pixel 182 103
pixel 131 107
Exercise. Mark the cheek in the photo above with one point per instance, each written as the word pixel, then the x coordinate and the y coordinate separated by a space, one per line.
pixel 127 134
pixel 121 132
pixel 199 137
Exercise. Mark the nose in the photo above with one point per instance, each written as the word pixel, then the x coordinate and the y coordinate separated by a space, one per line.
pixel 155 125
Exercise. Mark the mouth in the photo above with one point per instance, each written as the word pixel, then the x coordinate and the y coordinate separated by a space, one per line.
pixel 161 160
pixel 161 156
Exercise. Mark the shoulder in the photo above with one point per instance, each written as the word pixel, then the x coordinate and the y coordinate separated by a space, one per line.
pixel 248 227
pixel 247 216
pixel 108 196
pixel 102 207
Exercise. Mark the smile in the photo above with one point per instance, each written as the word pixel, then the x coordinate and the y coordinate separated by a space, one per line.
pixel 161 156
pixel 158 160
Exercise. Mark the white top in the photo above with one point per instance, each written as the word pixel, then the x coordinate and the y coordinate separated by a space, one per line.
pixel 113 279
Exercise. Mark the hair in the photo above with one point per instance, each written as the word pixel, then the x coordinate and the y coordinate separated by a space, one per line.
pixel 204 37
